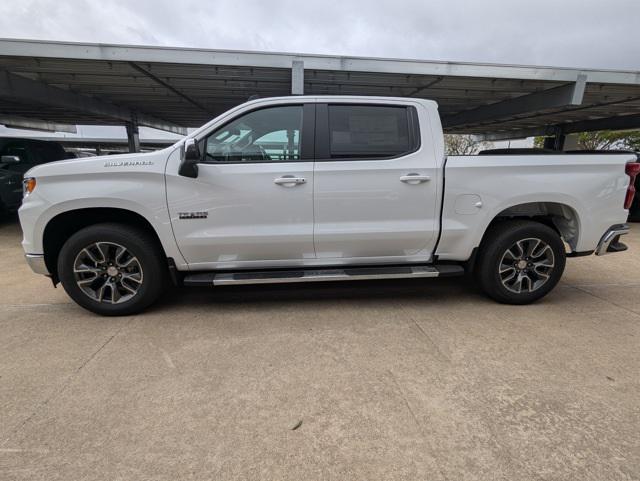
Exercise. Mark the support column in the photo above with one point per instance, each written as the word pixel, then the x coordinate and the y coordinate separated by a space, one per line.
pixel 133 136
pixel 556 142
pixel 559 142
pixel 297 77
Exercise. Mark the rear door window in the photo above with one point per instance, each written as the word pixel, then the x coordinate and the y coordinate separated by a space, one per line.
pixel 371 131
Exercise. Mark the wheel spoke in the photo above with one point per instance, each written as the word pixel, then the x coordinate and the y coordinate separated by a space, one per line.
pixel 120 251
pixel 542 275
pixel 132 277
pixel 83 268
pixel 99 248
pixel 510 254
pixel 517 285
pixel 131 290
pixel 520 252
pixel 506 268
pixel 128 262
pixel 91 256
pixel 529 283
pixel 533 245
pixel 544 263
pixel 100 292
pixel 509 277
pixel 540 253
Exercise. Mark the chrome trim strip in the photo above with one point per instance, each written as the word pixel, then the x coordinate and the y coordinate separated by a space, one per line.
pixel 609 236
pixel 37 264
pixel 323 275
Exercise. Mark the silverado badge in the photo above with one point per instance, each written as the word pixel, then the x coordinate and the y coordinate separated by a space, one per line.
pixel 127 163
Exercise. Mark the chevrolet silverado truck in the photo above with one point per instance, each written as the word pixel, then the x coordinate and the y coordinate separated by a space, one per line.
pixel 318 188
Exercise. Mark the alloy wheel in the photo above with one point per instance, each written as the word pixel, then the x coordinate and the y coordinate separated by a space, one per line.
pixel 527 265
pixel 108 272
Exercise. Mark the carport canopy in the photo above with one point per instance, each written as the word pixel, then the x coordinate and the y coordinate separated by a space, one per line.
pixel 50 85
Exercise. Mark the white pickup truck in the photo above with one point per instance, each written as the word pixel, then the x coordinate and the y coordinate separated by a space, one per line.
pixel 299 189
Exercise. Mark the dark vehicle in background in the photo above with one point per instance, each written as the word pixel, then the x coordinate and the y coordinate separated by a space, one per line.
pixel 634 211
pixel 17 156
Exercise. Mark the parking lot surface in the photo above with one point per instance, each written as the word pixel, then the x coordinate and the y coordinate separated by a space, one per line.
pixel 420 379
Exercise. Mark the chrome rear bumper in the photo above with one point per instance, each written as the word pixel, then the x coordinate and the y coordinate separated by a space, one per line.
pixel 37 264
pixel 612 237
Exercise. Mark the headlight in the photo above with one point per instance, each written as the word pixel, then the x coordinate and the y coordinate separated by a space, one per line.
pixel 28 186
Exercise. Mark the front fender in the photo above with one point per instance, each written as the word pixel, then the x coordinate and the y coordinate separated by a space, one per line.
pixel 143 194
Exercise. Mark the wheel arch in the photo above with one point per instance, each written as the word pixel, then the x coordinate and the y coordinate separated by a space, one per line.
pixel 62 226
pixel 561 217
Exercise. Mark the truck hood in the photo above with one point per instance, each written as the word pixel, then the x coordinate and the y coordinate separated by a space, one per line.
pixel 105 164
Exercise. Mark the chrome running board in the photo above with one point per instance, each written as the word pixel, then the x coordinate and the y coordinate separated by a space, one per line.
pixel 320 275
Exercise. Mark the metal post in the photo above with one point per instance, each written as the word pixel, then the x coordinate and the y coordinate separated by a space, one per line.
pixel 557 141
pixel 133 136
pixel 297 77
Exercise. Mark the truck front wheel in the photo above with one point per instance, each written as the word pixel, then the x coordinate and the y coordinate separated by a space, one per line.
pixel 520 261
pixel 112 269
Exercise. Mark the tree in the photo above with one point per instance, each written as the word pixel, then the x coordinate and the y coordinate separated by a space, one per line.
pixel 463 144
pixel 604 140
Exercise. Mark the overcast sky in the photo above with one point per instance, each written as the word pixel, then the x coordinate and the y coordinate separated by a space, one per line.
pixel 577 33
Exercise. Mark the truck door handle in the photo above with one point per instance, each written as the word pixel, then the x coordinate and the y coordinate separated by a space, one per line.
pixel 414 178
pixel 289 180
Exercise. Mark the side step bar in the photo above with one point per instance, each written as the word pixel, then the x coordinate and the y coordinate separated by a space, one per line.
pixel 320 275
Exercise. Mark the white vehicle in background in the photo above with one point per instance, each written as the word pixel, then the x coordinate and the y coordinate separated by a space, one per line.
pixel 307 188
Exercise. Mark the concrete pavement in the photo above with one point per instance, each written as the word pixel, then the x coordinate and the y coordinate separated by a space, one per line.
pixel 421 379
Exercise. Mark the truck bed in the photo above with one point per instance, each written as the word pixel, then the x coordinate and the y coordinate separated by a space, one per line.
pixel 585 192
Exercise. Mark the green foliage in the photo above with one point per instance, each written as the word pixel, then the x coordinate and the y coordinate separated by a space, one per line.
pixel 538 142
pixel 603 140
pixel 463 144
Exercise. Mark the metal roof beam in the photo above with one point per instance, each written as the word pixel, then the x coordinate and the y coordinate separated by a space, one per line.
pixel 168 86
pixel 22 88
pixel 620 122
pixel 146 54
pixel 563 96
pixel 16 122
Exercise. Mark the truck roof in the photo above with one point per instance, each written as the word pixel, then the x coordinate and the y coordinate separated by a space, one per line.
pixel 334 98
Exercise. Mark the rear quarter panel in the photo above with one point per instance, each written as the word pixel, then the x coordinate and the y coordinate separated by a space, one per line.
pixel 594 186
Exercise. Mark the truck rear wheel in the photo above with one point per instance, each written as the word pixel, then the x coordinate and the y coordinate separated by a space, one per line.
pixel 520 261
pixel 112 269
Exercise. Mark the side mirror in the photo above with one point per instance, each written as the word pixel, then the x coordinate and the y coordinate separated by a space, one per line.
pixel 190 159
pixel 10 159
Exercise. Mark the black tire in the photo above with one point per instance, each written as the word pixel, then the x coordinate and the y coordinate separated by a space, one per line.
pixel 533 275
pixel 149 269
